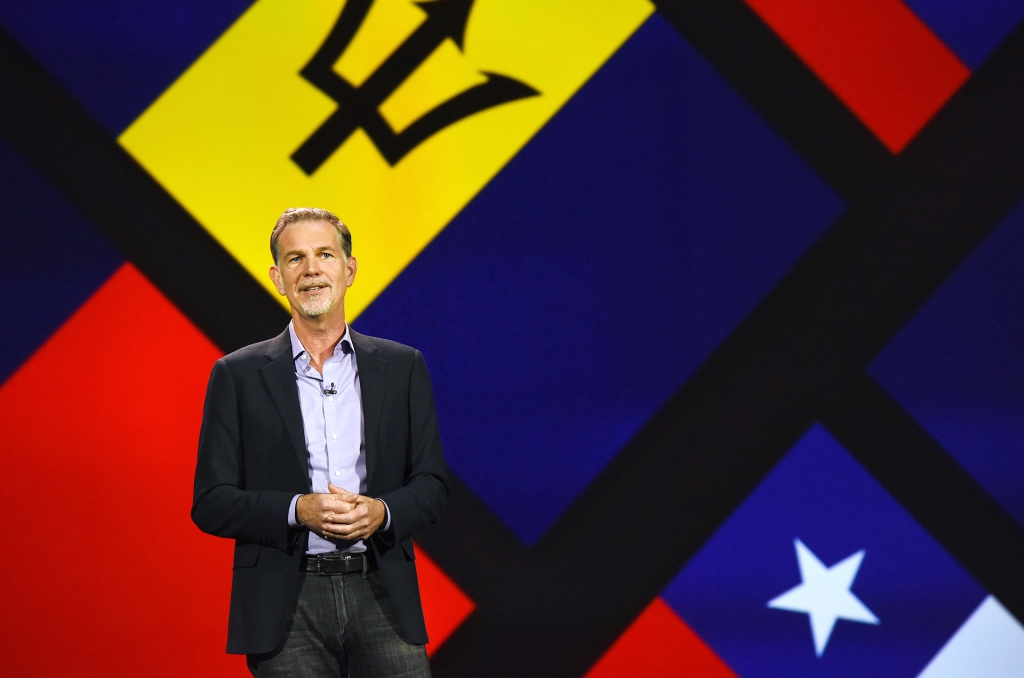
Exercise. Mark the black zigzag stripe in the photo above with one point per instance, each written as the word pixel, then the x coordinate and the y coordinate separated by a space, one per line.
pixel 73 151
pixel 784 91
pixel 930 484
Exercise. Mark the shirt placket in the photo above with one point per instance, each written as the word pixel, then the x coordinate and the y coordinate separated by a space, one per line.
pixel 331 402
pixel 311 382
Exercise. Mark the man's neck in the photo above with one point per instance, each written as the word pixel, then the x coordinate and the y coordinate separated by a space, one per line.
pixel 319 336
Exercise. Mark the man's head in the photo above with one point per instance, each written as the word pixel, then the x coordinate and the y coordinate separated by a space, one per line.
pixel 313 262
pixel 296 214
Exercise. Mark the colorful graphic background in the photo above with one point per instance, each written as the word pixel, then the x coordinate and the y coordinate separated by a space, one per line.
pixel 739 274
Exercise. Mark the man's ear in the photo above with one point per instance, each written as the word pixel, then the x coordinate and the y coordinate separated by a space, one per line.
pixel 275 276
pixel 351 267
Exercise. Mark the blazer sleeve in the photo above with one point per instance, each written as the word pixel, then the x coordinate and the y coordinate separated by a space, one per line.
pixel 420 501
pixel 221 505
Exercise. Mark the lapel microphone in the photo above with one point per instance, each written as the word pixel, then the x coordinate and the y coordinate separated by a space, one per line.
pixel 331 390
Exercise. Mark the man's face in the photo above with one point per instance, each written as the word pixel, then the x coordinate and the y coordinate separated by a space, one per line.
pixel 312 269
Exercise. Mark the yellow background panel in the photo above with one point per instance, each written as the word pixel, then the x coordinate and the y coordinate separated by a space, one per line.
pixel 443 75
pixel 386 26
pixel 220 138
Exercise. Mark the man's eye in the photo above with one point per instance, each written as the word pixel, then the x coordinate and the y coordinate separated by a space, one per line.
pixel 295 258
pixel 326 254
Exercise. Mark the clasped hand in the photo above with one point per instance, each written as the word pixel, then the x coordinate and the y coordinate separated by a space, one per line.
pixel 340 514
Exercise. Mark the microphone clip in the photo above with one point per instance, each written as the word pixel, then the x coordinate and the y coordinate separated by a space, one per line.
pixel 331 391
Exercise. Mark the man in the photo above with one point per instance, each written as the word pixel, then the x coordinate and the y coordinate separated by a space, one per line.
pixel 319 455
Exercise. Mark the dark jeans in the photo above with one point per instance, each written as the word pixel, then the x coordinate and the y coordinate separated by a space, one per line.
pixel 343 625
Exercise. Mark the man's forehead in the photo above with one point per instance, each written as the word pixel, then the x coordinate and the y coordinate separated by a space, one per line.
pixel 303 234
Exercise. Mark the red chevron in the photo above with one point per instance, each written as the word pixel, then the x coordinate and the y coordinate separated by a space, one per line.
pixel 105 420
pixel 445 606
pixel 876 55
pixel 658 644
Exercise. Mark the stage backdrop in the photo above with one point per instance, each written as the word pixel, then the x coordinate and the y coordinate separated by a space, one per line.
pixel 722 303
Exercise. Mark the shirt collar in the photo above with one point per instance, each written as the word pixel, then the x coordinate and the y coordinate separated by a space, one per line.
pixel 298 349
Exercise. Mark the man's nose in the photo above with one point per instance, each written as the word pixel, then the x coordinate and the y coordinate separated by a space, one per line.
pixel 312 266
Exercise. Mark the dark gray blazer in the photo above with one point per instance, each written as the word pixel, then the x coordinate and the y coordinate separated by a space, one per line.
pixel 253 460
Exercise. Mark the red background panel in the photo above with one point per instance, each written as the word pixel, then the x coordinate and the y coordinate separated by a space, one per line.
pixel 658 644
pixel 445 606
pixel 876 55
pixel 108 574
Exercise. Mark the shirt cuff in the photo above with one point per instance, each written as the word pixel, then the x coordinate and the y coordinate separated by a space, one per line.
pixel 387 519
pixel 292 520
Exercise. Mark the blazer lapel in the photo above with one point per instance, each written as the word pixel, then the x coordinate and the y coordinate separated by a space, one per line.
pixel 372 371
pixel 279 377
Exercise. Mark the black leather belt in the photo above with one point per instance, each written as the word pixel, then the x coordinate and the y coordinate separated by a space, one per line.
pixel 338 563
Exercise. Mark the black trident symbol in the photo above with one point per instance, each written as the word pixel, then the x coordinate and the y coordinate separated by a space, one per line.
pixel 358 106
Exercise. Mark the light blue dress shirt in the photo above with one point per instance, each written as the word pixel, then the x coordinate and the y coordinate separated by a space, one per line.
pixel 332 422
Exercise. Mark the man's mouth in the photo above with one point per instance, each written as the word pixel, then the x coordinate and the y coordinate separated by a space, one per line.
pixel 314 288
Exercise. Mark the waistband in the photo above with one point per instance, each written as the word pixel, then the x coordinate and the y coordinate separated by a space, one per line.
pixel 339 563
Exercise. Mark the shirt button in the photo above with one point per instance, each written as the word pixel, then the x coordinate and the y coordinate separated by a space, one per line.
pixel 337 473
pixel 331 399
pixel 334 437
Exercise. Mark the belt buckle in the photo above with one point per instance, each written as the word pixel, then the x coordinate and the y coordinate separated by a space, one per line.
pixel 320 564
pixel 322 559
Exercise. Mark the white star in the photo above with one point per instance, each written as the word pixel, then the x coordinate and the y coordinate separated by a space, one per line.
pixel 824 594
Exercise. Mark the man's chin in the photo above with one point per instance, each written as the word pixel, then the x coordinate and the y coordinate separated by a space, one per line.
pixel 315 309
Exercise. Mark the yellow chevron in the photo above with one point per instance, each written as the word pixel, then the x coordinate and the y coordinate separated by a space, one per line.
pixel 220 138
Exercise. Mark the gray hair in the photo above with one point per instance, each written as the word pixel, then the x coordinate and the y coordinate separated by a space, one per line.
pixel 294 215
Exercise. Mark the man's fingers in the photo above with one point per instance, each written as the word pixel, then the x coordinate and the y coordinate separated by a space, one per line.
pixel 342 493
pixel 342 514
pixel 349 517
pixel 345 531
pixel 332 504
pixel 336 510
pixel 338 515
pixel 346 524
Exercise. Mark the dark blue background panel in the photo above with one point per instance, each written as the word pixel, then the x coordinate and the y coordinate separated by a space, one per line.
pixel 820 495
pixel 588 281
pixel 958 365
pixel 53 260
pixel 971 28
pixel 118 56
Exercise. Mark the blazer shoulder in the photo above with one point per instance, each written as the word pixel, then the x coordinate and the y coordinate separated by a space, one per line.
pixel 387 348
pixel 256 355
pixel 248 353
